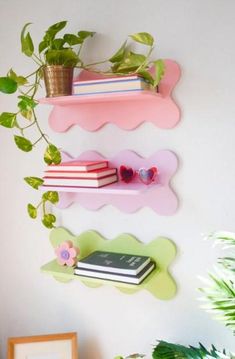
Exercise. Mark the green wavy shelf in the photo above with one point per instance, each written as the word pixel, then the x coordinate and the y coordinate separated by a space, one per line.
pixel 162 250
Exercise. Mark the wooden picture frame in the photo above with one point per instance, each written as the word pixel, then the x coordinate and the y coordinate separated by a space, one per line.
pixel 50 346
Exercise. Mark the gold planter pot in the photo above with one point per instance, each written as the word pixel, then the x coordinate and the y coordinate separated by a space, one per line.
pixel 58 80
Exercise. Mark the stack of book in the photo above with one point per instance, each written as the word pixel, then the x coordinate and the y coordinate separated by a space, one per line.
pixel 80 174
pixel 117 267
pixel 110 85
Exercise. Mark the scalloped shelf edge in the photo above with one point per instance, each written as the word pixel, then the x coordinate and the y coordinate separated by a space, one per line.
pixel 159 197
pixel 162 250
pixel 93 112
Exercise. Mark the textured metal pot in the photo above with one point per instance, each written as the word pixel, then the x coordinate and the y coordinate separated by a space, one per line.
pixel 58 80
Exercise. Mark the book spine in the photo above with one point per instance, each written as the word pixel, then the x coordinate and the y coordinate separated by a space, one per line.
pixel 115 277
pixel 110 89
pixel 108 80
pixel 80 179
pixel 125 271
pixel 68 167
pixel 92 185
pixel 84 273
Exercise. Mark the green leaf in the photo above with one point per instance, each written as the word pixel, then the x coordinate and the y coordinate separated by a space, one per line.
pixel 72 39
pixel 131 63
pixel 85 34
pixel 146 75
pixel 20 80
pixel 52 155
pixel 28 114
pixel 26 102
pixel 23 144
pixel 42 46
pixel 119 55
pixel 65 57
pixel 8 85
pixel 143 37
pixel 53 30
pixel 57 44
pixel 159 71
pixel 34 182
pixel 49 220
pixel 26 105
pixel 164 350
pixel 8 119
pixel 27 46
pixel 32 211
pixel 51 196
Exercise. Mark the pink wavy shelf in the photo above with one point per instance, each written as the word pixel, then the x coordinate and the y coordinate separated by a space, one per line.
pixel 126 110
pixel 127 197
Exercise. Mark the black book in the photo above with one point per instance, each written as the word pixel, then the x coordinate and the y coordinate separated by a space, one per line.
pixel 114 262
pixel 132 279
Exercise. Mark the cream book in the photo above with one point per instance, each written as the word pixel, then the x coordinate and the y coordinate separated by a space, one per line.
pixel 79 182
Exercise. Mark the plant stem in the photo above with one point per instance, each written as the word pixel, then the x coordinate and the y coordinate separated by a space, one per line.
pixel 38 60
pixel 37 141
pixel 79 51
pixel 24 128
pixel 95 63
pixel 38 127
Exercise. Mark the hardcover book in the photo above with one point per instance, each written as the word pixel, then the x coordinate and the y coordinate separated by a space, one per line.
pixel 103 172
pixel 79 182
pixel 75 165
pixel 115 84
pixel 132 279
pixel 114 262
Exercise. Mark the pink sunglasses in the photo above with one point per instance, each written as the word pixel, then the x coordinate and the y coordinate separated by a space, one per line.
pixel 146 176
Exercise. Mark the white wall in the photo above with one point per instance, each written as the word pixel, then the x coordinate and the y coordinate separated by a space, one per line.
pixel 199 36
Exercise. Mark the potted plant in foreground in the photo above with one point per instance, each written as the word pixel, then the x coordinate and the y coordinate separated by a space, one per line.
pixel 219 295
pixel 56 57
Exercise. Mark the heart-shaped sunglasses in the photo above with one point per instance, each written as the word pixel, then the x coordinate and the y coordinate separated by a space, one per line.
pixel 146 176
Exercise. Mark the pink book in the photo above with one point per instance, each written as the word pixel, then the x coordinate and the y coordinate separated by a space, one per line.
pixel 103 172
pixel 82 166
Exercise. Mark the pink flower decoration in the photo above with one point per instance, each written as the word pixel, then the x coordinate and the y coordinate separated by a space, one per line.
pixel 66 254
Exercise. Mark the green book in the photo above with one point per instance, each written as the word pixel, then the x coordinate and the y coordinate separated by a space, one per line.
pixel 111 262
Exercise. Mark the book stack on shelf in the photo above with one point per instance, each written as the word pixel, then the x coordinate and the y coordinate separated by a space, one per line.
pixel 117 267
pixel 111 85
pixel 75 173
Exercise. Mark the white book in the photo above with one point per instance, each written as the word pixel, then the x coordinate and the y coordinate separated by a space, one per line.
pixel 79 182
pixel 134 83
pixel 134 279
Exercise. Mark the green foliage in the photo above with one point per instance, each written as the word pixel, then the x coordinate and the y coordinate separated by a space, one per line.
pixel 27 46
pixel 65 57
pixel 126 62
pixel 23 143
pixel 63 49
pixel 51 196
pixel 20 80
pixel 165 350
pixel 52 155
pixel 8 119
pixel 133 356
pixel 219 294
pixel 32 211
pixel 34 182
pixel 49 220
pixel 143 38
pixel 8 85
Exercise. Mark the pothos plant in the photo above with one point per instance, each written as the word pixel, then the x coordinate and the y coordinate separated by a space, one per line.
pixel 66 51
